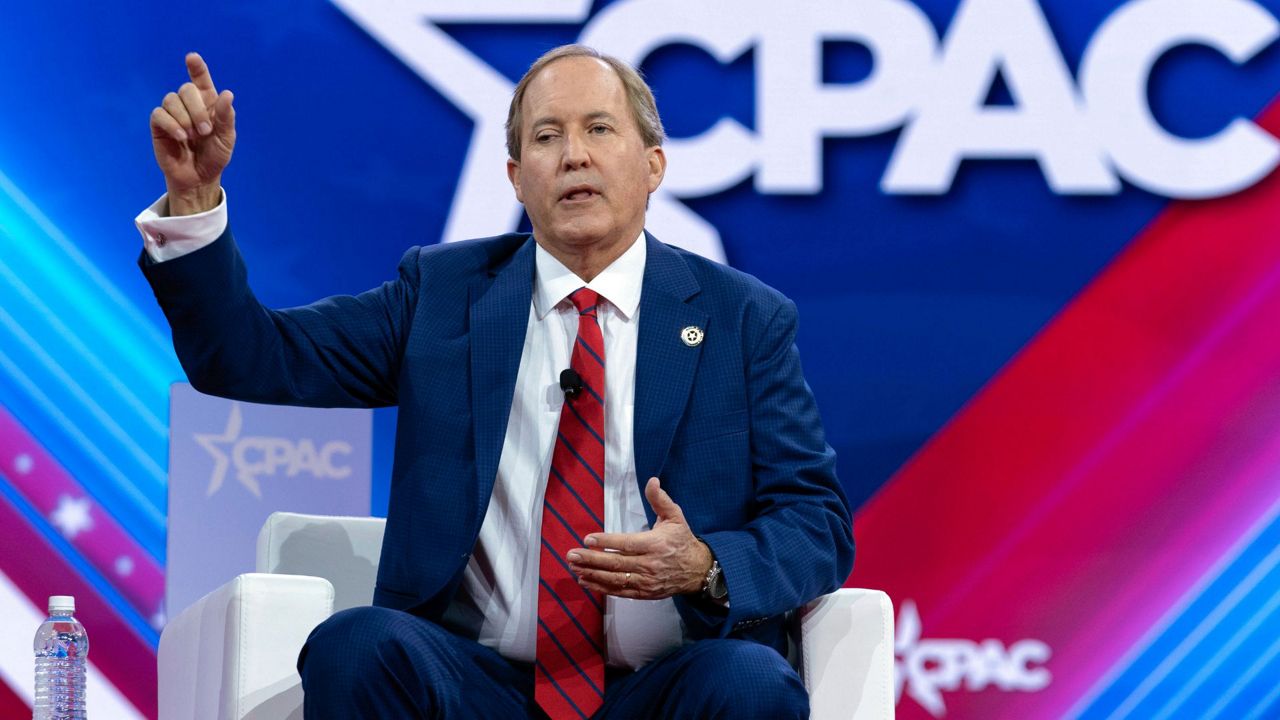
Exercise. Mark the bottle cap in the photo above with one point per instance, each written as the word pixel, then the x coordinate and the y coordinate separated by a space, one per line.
pixel 66 603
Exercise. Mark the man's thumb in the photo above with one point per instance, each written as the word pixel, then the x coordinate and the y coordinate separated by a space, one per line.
pixel 663 506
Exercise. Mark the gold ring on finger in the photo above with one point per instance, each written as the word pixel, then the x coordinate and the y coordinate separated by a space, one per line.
pixel 626 583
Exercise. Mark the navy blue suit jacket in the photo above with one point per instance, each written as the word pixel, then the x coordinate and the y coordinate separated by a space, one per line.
pixel 729 425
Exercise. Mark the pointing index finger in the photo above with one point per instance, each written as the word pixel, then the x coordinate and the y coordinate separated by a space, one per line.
pixel 200 76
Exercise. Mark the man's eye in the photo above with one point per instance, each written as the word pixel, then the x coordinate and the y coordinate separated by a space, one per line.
pixel 599 129
pixel 544 138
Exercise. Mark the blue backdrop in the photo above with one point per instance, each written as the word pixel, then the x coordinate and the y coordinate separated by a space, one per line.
pixel 910 303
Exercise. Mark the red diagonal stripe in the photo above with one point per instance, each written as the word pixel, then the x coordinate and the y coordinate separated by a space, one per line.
pixel 569 613
pixel 568 655
pixel 561 571
pixel 586 354
pixel 577 414
pixel 574 460
pixel 561 537
pixel 38 570
pixel 1108 465
pixel 44 482
pixel 554 699
pixel 12 706
pixel 578 498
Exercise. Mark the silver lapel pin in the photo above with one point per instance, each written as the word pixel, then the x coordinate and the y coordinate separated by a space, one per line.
pixel 692 335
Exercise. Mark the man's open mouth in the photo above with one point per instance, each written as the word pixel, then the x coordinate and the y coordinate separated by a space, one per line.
pixel 581 192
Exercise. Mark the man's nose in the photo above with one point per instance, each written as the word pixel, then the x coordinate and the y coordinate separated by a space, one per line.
pixel 576 155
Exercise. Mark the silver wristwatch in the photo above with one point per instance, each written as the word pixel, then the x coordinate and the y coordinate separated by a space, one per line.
pixel 713 586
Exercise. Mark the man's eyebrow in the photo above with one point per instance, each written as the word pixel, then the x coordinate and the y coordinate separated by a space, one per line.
pixel 591 117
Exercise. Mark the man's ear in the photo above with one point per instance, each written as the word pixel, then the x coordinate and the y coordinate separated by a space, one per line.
pixel 513 174
pixel 657 167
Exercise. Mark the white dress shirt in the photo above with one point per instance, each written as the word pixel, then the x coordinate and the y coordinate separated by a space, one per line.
pixel 498 601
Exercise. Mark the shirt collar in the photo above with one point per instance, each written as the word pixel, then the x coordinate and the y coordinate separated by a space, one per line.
pixel 619 283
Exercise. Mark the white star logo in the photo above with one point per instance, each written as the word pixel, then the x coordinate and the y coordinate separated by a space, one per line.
pixel 211 441
pixel 72 517
pixel 408 28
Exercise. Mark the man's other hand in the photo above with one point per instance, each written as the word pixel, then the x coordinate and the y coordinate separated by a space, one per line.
pixel 193 133
pixel 659 563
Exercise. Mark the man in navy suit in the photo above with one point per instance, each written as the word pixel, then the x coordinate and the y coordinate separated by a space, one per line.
pixel 495 359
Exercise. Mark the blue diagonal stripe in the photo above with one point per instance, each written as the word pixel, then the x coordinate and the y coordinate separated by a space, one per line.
pixel 560 690
pixel 587 386
pixel 566 524
pixel 1263 708
pixel 569 656
pixel 587 347
pixel 569 570
pixel 585 424
pixel 1225 697
pixel 581 459
pixel 570 615
pixel 1205 642
pixel 579 497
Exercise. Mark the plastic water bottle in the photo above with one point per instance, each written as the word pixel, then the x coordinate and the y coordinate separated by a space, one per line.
pixel 62 648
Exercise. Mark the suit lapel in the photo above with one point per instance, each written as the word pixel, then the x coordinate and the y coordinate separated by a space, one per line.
pixel 665 365
pixel 499 319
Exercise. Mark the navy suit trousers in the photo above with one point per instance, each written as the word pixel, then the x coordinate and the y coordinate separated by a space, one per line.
pixel 373 662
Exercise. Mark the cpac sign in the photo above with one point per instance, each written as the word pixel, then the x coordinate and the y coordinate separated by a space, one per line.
pixel 926 668
pixel 255 456
pixel 1086 135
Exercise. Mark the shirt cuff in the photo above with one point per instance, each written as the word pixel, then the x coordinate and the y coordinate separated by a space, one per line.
pixel 167 238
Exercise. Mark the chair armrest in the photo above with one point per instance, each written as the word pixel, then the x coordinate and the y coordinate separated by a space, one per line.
pixel 846 655
pixel 343 550
pixel 233 653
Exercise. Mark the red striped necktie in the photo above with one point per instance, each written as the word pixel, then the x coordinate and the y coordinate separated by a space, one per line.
pixel 570 647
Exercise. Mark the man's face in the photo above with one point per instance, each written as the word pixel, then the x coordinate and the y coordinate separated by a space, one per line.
pixel 584 174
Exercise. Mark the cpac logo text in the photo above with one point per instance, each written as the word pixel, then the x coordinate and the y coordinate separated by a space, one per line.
pixel 927 668
pixel 258 456
pixel 1086 133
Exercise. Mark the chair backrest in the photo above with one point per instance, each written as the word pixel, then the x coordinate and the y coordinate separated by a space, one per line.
pixel 342 550
pixel 847 644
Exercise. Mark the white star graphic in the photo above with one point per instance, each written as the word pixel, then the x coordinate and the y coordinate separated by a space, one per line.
pixel 71 516
pixel 124 566
pixel 410 29
pixel 211 441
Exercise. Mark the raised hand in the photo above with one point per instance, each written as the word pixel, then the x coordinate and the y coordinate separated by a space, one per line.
pixel 667 560
pixel 193 133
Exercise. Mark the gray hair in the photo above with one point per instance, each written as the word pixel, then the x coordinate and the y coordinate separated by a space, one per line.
pixel 644 110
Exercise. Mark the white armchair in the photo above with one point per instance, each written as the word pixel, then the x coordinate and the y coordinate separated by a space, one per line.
pixel 232 655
